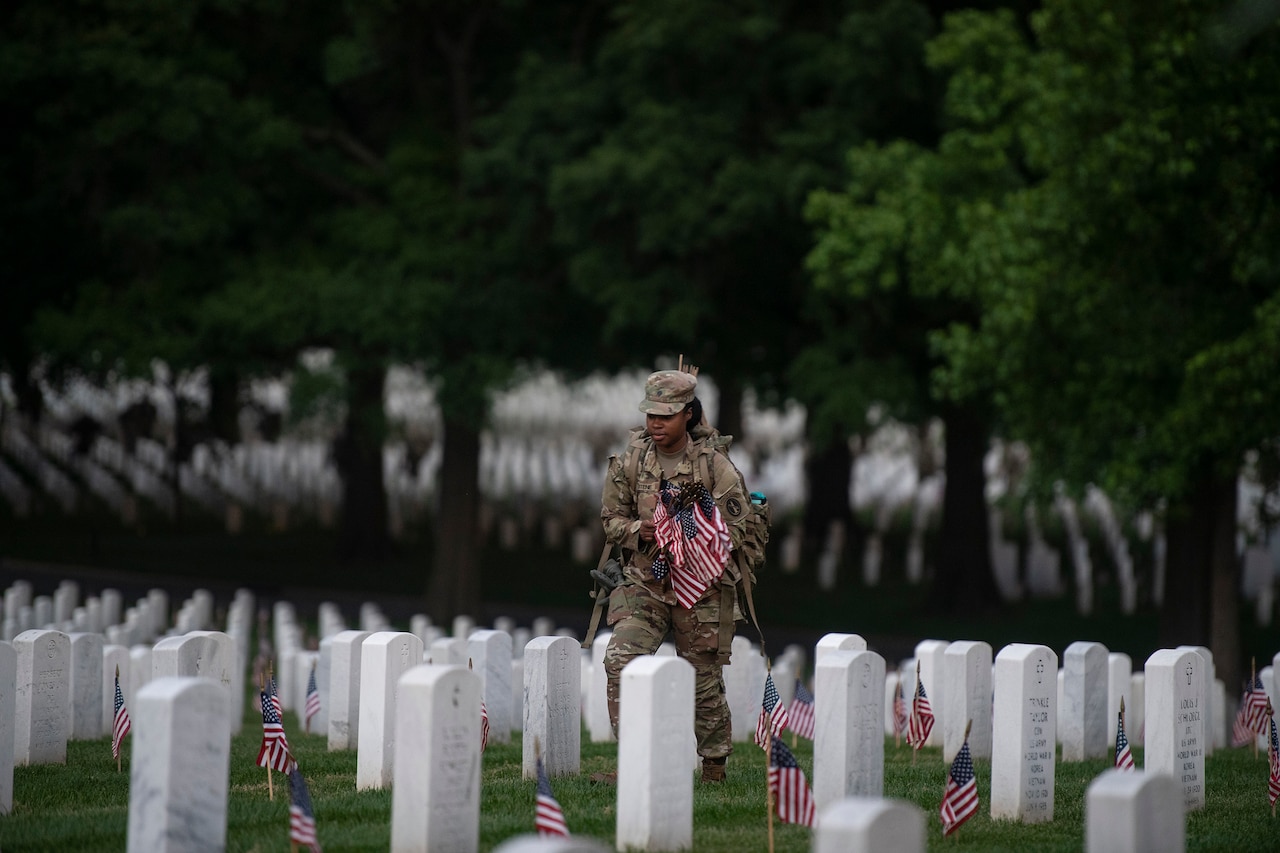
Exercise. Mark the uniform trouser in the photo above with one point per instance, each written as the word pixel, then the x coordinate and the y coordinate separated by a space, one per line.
pixel 640 624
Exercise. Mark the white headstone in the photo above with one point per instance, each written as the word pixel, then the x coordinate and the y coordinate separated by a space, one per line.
pixel 204 654
pixel 1025 719
pixel 1119 683
pixel 1083 715
pixel 517 693
pixel 870 825
pixel 8 689
pixel 552 712
pixel 848 746
pixel 490 653
pixel 599 728
pixel 655 745
pixel 324 670
pixel 966 686
pixel 42 697
pixel 744 687
pixel 537 844
pixel 1175 721
pixel 930 653
pixel 1134 813
pixel 180 767
pixel 835 642
pixel 139 672
pixel 435 800
pixel 86 687
pixel 344 689
pixel 1210 675
pixel 384 657
pixel 446 650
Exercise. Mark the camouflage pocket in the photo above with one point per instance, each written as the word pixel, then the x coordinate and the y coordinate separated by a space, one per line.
pixel 621 604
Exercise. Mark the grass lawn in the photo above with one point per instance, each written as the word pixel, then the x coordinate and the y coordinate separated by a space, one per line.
pixel 83 805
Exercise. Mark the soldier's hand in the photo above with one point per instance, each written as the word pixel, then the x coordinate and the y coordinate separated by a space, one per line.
pixel 647 531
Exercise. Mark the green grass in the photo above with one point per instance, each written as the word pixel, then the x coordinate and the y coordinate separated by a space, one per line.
pixel 83 805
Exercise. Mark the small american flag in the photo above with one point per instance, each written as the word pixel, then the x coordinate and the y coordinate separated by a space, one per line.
pixel 1241 734
pixel 1124 758
pixel 484 726
pixel 773 714
pixel 121 726
pixel 313 698
pixel 1255 703
pixel 302 821
pixel 900 711
pixel 274 695
pixel 694 538
pixel 960 799
pixel 548 819
pixel 802 712
pixel 921 722
pixel 1273 781
pixel 788 786
pixel 274 752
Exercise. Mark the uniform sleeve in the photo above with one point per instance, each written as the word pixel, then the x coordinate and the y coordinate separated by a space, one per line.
pixel 618 508
pixel 731 498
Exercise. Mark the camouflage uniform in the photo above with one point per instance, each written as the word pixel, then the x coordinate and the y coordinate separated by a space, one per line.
pixel 643 609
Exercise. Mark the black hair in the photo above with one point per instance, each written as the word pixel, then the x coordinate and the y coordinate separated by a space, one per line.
pixel 695 420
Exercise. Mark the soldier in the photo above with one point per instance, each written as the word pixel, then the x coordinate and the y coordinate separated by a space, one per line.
pixel 644 607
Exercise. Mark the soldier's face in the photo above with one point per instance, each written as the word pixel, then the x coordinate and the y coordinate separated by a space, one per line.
pixel 669 432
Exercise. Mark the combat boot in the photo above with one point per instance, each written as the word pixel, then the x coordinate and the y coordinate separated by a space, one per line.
pixel 713 769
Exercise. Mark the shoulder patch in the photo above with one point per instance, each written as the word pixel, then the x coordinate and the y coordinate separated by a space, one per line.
pixel 734 508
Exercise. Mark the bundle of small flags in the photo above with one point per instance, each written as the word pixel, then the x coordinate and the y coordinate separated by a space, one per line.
pixel 960 799
pixel 788 787
pixel 773 714
pixel 1124 758
pixel 548 818
pixel 802 712
pixel 302 820
pixel 694 540
pixel 920 723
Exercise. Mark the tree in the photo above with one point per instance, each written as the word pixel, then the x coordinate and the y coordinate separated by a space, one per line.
pixel 1125 274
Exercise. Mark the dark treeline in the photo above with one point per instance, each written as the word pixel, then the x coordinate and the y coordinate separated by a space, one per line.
pixel 1051 223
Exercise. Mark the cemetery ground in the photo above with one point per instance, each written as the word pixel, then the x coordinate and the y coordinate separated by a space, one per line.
pixel 83 805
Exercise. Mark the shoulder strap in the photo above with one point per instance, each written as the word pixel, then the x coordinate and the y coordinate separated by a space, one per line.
pixel 601 595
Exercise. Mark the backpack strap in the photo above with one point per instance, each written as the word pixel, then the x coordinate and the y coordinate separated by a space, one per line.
pixel 601 595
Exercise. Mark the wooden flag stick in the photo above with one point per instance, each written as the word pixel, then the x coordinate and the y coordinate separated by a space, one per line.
pixel 768 791
pixel 113 720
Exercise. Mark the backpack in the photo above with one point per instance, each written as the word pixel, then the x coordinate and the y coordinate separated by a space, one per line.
pixel 747 560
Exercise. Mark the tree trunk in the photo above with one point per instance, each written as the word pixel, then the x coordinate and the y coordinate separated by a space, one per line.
pixel 455 580
pixel 828 474
pixel 224 405
pixel 362 536
pixel 729 417
pixel 1202 575
pixel 963 582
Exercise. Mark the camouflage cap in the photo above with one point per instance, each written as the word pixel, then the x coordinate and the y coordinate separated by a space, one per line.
pixel 667 392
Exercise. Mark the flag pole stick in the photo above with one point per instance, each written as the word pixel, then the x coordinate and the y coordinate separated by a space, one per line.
pixel 914 717
pixel 768 790
pixel 113 722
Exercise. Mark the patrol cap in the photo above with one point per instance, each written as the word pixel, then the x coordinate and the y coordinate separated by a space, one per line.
pixel 667 392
